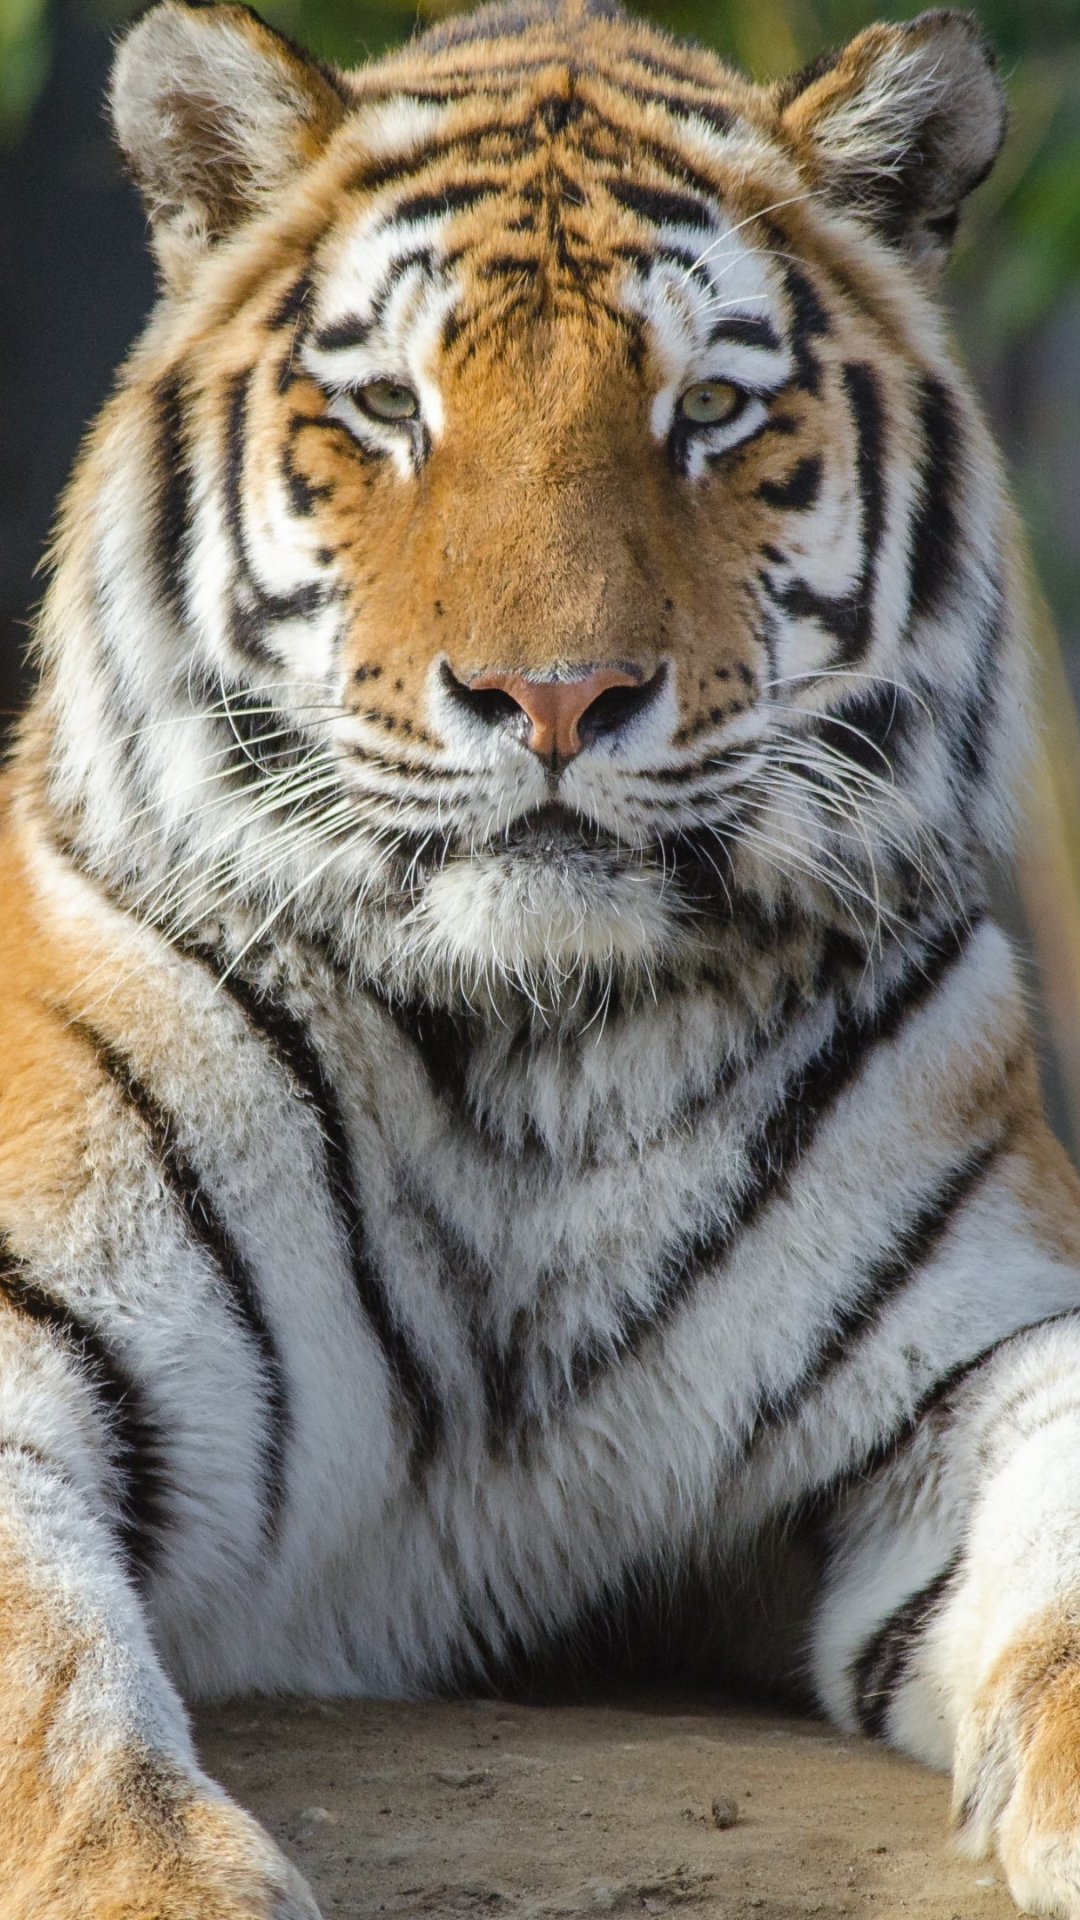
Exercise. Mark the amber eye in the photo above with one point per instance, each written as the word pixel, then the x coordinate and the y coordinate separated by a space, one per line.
pixel 710 403
pixel 388 400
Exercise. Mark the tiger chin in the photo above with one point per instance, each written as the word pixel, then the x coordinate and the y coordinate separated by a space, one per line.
pixel 519 1135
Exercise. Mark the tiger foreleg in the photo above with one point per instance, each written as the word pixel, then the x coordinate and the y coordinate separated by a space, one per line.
pixel 1017 1769
pixel 104 1812
pixel 951 1621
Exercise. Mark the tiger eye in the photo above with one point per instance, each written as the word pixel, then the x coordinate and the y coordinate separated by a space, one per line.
pixel 388 400
pixel 710 403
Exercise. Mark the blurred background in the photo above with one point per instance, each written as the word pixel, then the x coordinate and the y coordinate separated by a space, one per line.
pixel 75 284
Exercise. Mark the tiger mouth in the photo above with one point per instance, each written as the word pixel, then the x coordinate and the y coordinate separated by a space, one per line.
pixel 554 832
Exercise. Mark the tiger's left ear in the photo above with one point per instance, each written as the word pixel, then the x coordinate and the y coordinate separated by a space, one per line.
pixel 900 125
pixel 215 113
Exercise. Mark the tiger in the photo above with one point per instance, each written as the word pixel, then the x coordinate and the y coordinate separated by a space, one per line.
pixel 522 1153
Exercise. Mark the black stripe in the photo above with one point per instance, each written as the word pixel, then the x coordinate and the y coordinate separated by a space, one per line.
pixel 444 200
pixel 868 728
pixel 509 265
pixel 773 1154
pixel 840 617
pixel 395 273
pixel 137 1446
pixel 883 1663
pixel 257 609
pixel 970 726
pixel 559 110
pixel 849 617
pixel 682 106
pixel 210 1234
pixel 516 136
pixel 887 1450
pixel 304 493
pixel 443 1038
pixel 799 490
pixel 935 536
pixel 662 206
pixel 890 1274
pixel 291 1043
pixel 291 305
pixel 744 330
pixel 863 389
pixel 818 1507
pixel 172 518
pixel 348 332
pixel 689 262
pixel 810 321
pixel 255 735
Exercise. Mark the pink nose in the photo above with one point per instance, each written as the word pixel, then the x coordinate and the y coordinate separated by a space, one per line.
pixel 554 708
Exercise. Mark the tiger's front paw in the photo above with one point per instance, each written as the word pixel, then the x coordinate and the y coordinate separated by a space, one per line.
pixel 1017 1776
pixel 148 1844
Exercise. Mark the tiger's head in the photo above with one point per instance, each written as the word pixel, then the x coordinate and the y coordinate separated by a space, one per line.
pixel 543 522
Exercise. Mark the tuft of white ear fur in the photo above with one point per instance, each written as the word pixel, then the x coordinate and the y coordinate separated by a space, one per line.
pixel 215 112
pixel 900 125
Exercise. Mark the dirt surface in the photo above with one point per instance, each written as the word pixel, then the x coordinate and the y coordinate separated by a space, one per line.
pixel 630 1809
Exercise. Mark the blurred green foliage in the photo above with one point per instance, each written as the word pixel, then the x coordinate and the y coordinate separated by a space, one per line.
pixel 25 46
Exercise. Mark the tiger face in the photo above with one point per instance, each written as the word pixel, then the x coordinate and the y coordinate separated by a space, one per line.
pixel 543 505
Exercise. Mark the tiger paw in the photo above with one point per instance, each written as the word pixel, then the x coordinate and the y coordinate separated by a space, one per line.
pixel 146 1845
pixel 1017 1776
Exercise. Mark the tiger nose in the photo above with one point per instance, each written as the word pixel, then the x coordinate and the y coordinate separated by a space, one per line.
pixel 560 716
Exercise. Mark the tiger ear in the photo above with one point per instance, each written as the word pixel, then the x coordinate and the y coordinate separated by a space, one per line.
pixel 900 125
pixel 215 112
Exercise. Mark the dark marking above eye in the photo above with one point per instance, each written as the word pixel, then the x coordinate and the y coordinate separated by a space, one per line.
pixel 349 332
pixel 799 490
pixel 662 206
pixel 744 330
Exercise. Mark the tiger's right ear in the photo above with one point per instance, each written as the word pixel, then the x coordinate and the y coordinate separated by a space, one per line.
pixel 215 112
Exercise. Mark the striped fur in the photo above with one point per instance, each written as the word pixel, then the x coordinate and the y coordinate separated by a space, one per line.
pixel 467 1208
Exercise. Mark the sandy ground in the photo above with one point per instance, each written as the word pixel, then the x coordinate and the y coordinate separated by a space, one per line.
pixel 504 1810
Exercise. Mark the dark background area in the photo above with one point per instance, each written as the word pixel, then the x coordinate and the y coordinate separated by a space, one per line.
pixel 76 284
